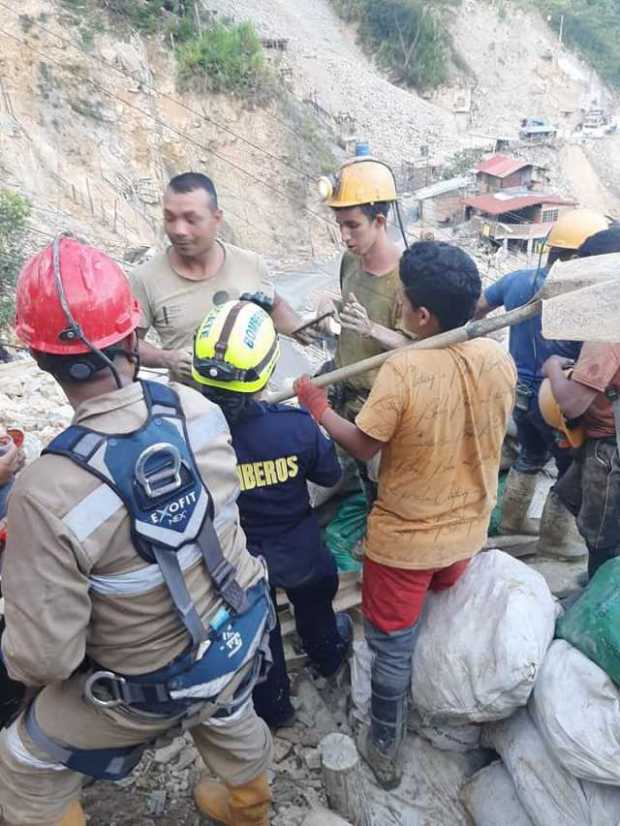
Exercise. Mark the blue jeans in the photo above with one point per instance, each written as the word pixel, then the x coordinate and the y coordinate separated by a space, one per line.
pixel 390 684
pixel 316 625
pixel 538 441
pixel 4 496
pixel 591 492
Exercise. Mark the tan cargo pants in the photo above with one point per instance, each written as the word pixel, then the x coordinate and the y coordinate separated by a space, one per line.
pixel 34 791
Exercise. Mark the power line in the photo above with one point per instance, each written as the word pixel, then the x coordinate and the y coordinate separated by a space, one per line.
pixel 166 96
pixel 172 129
pixel 182 105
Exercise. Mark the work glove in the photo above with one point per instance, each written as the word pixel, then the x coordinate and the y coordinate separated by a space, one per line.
pixel 313 398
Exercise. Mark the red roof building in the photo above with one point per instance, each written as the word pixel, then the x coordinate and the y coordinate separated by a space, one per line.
pixel 504 203
pixel 502 172
pixel 500 166
pixel 518 219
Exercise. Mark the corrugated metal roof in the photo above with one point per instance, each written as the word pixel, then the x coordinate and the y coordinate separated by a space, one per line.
pixel 493 205
pixel 500 166
pixel 441 187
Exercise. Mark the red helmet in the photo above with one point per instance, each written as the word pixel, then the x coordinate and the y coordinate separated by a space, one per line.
pixel 70 294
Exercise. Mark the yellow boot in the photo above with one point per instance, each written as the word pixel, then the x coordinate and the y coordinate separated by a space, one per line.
pixel 74 816
pixel 246 805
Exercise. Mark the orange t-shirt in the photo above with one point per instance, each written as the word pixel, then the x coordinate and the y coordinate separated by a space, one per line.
pixel 598 367
pixel 442 415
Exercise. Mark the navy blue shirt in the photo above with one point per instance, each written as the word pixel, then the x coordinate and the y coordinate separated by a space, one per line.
pixel 527 346
pixel 278 448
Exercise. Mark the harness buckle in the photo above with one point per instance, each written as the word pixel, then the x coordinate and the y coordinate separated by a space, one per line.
pixel 159 482
pixel 114 686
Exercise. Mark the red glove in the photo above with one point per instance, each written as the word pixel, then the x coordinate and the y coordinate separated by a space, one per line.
pixel 313 398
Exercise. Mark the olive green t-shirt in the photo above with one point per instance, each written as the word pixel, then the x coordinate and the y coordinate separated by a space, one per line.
pixel 379 295
pixel 176 306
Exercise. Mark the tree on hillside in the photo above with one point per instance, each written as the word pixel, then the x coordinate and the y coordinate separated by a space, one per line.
pixel 14 211
pixel 408 37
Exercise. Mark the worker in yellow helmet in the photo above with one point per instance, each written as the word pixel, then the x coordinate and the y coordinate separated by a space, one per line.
pixel 584 403
pixel 557 531
pixel 279 448
pixel 370 311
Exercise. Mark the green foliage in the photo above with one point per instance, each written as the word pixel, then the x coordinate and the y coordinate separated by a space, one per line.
pixel 408 37
pixel 14 211
pixel 228 57
pixel 461 162
pixel 592 27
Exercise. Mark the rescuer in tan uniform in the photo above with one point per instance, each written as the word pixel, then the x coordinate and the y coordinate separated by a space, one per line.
pixel 125 636
pixel 197 272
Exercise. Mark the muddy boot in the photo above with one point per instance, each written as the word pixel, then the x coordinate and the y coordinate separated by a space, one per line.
pixel 380 745
pixel 386 769
pixel 246 805
pixel 518 495
pixel 74 816
pixel 559 536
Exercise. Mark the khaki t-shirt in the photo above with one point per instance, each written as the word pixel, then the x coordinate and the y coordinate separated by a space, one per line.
pixel 175 306
pixel 598 367
pixel 379 295
pixel 442 415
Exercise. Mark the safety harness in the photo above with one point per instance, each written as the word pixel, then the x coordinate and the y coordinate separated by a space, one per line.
pixel 153 471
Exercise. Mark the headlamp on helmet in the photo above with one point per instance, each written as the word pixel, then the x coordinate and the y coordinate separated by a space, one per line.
pixel 236 348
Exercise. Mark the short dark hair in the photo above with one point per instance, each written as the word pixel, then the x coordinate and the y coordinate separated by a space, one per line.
pixel 370 210
pixel 191 181
pixel 442 278
pixel 601 243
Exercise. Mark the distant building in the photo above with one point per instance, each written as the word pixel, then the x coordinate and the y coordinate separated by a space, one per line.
pixel 537 130
pixel 443 202
pixel 503 172
pixel 516 218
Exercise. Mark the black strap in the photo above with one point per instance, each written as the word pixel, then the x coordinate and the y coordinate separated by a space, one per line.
pixel 220 569
pixel 222 343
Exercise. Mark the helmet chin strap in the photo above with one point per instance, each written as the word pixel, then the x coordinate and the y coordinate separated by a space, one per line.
pixel 74 331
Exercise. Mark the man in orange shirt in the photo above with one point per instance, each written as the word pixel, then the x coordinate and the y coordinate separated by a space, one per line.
pixel 590 488
pixel 439 417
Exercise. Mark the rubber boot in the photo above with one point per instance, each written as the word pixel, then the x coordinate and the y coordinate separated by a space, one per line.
pixel 518 495
pixel 74 816
pixel 380 745
pixel 246 805
pixel 559 536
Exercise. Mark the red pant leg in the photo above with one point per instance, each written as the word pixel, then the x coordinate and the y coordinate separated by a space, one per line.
pixel 447 577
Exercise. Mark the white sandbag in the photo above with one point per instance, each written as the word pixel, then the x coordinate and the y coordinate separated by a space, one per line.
pixel 491 799
pixel 444 736
pixel 481 642
pixel 548 793
pixel 576 708
pixel 361 664
pixel 604 803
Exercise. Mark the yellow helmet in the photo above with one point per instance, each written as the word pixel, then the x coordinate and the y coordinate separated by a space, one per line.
pixel 552 414
pixel 573 227
pixel 236 348
pixel 362 180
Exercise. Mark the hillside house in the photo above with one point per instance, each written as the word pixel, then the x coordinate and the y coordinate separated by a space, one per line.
pixel 503 172
pixel 443 202
pixel 516 218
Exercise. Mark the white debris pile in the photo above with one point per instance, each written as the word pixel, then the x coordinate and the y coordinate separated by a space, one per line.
pixel 487 674
pixel 33 401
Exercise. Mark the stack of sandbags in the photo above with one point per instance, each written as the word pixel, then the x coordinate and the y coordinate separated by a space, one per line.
pixel 480 646
pixel 548 793
pixel 563 754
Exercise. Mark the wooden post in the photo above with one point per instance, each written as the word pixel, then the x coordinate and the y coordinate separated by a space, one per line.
pixel 343 779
